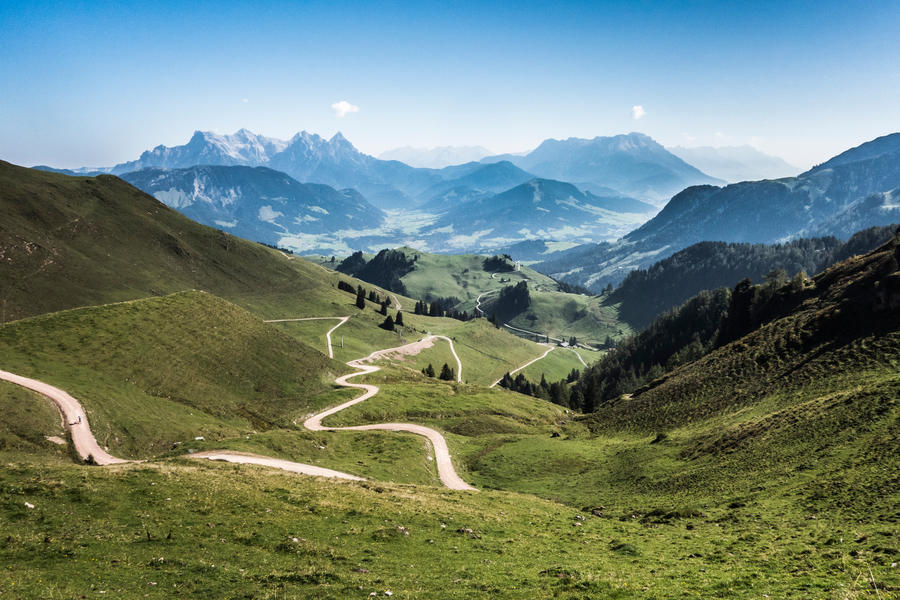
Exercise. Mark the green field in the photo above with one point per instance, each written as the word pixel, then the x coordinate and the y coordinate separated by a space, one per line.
pixel 588 318
pixel 163 370
pixel 555 366
pixel 462 276
pixel 552 312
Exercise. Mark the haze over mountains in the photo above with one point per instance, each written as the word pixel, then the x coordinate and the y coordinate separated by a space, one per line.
pixel 539 208
pixel 436 158
pixel 629 165
pixel 574 191
pixel 854 190
pixel 735 163
pixel 633 165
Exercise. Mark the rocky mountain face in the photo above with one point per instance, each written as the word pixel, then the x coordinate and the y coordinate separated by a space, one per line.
pixel 632 165
pixel 256 203
pixel 207 148
pixel 306 157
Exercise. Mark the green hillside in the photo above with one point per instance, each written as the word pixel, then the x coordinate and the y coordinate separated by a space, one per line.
pixel 429 276
pixel 590 319
pixel 155 371
pixel 79 241
pixel 459 280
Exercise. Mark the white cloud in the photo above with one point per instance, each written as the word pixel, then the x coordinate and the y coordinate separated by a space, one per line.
pixel 245 100
pixel 637 111
pixel 342 108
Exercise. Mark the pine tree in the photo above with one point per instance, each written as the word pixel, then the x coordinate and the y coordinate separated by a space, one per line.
pixel 399 319
pixel 383 307
pixel 388 324
pixel 360 298
pixel 428 371
pixel 446 373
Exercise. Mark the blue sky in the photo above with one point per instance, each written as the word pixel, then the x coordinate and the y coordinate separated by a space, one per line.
pixel 96 83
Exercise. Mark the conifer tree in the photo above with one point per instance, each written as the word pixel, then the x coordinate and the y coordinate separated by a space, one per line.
pixel 360 298
pixel 446 373
pixel 399 319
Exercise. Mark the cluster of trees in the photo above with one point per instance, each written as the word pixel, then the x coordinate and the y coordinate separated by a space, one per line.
pixel 558 392
pixel 447 374
pixel 362 296
pixel 511 300
pixel 674 338
pixel 279 248
pixel 502 263
pixel 703 323
pixel 384 270
pixel 436 309
pixel 391 323
pixel 646 293
pixel 572 288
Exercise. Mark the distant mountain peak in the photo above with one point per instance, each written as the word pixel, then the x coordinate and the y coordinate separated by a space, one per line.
pixel 629 164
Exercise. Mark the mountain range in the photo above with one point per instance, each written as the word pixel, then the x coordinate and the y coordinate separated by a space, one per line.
pixel 854 190
pixel 475 181
pixel 256 203
pixel 633 165
pixel 540 208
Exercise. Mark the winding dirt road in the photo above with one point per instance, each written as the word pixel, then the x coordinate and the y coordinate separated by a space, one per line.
pixel 327 334
pixel 73 417
pixel 530 362
pixel 268 461
pixel 86 445
pixel 579 356
pixel 446 472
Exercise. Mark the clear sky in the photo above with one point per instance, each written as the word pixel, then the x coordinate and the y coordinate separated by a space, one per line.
pixel 95 83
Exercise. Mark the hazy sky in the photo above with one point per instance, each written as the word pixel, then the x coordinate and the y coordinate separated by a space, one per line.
pixel 95 83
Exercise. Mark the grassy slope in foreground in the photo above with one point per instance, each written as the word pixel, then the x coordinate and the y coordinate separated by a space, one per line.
pixel 806 405
pixel 225 531
pixel 78 241
pixel 154 371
